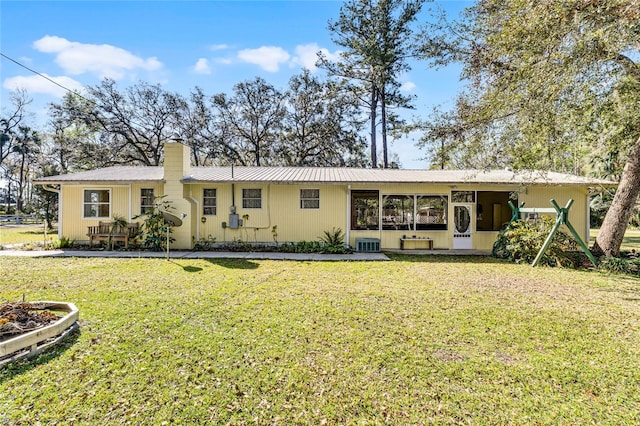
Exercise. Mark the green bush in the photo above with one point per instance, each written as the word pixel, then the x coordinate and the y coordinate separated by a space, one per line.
pixel 64 242
pixel 204 244
pixel 522 240
pixel 614 265
pixel 335 237
pixel 333 242
pixel 154 227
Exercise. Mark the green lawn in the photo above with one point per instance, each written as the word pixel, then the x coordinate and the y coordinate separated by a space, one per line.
pixel 630 242
pixel 25 234
pixel 418 340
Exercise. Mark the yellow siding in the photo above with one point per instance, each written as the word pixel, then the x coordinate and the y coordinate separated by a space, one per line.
pixel 158 190
pixel 540 196
pixel 391 239
pixel 280 207
pixel 483 240
pixel 74 225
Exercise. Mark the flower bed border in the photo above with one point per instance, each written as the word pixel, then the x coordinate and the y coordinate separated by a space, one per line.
pixel 36 341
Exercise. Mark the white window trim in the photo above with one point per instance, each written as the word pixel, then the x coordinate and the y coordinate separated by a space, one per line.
pixel 245 198
pixel 85 203
pixel 153 193
pixel 205 206
pixel 309 199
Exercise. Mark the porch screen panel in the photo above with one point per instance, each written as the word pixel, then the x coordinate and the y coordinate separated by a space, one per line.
pixel 364 210
pixel 397 212
pixel 431 212
pixel 492 209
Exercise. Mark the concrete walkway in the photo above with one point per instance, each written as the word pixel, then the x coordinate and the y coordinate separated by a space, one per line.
pixel 178 254
pixel 197 255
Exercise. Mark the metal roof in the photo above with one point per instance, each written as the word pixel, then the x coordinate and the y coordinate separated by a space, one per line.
pixel 354 175
pixel 326 175
pixel 116 175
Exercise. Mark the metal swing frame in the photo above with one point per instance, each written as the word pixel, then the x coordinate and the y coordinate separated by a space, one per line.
pixel 562 218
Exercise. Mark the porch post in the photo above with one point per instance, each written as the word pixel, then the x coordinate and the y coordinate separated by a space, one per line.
pixel 348 224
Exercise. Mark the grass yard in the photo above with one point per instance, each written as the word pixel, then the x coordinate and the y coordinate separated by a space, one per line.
pixel 418 340
pixel 25 234
pixel 631 240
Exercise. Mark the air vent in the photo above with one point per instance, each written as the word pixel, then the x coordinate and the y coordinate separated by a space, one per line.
pixel 368 245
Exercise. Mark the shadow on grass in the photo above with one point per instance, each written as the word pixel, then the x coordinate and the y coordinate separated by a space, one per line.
pixel 234 263
pixel 20 366
pixel 443 258
pixel 187 268
pixel 33 232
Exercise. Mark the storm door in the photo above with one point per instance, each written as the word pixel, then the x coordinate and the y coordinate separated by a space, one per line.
pixel 462 226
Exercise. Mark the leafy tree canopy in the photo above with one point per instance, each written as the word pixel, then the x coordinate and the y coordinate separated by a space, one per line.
pixel 552 85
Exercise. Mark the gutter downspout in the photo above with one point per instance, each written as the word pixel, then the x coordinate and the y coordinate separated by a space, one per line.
pixel 380 199
pixel 195 202
pixel 348 223
pixel 59 192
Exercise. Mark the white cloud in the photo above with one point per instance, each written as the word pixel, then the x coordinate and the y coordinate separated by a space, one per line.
pixel 268 58
pixel 407 86
pixel 37 84
pixel 307 55
pixel 224 61
pixel 202 66
pixel 104 60
pixel 216 47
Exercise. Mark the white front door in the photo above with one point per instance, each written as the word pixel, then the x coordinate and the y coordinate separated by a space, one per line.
pixel 462 226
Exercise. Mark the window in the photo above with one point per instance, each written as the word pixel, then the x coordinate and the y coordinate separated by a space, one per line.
pixel 96 203
pixel 146 200
pixel 364 209
pixel 209 202
pixel 309 198
pixel 492 210
pixel 397 212
pixel 431 212
pixel 252 198
pixel 463 196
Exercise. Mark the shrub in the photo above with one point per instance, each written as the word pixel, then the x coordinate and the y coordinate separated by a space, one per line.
pixel 614 265
pixel 64 242
pixel 206 244
pixel 335 237
pixel 333 242
pixel 154 227
pixel 522 240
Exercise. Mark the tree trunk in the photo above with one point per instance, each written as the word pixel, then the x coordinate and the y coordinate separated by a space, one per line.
pixel 21 184
pixel 8 195
pixel 374 108
pixel 383 115
pixel 615 222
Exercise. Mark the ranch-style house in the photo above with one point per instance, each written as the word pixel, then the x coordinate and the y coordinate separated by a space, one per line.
pixel 376 208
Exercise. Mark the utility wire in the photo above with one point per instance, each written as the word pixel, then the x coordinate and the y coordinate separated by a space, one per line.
pixel 52 81
pixel 42 75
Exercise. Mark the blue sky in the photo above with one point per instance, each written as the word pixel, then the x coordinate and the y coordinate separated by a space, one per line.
pixel 181 45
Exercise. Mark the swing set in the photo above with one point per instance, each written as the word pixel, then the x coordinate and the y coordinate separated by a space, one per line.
pixel 562 218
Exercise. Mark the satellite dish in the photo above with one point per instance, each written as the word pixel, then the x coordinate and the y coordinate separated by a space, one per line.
pixel 171 219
